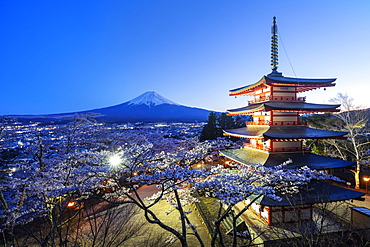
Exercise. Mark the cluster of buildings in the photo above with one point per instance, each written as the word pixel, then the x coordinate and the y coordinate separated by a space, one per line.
pixel 19 137
pixel 19 134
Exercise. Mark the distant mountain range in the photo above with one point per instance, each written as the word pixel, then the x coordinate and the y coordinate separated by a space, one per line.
pixel 148 107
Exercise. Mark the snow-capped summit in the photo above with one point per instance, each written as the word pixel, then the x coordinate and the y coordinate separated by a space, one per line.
pixel 150 98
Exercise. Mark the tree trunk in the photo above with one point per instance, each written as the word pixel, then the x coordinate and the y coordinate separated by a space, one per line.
pixel 357 176
pixel 182 218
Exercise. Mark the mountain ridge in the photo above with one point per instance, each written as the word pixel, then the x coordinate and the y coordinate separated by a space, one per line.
pixel 147 107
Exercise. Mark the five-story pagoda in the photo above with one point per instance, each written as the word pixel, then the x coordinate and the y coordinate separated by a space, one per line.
pixel 276 136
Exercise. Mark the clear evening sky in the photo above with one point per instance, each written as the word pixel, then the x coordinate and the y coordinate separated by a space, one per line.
pixel 66 56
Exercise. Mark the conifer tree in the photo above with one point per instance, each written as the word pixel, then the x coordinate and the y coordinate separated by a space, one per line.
pixel 218 122
pixel 210 131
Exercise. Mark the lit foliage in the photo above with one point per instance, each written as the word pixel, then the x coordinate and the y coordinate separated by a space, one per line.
pixel 233 186
pixel 33 192
pixel 171 174
pixel 45 178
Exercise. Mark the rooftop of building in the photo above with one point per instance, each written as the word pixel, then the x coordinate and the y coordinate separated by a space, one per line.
pixel 314 192
pixel 292 106
pixel 302 84
pixel 250 156
pixel 283 132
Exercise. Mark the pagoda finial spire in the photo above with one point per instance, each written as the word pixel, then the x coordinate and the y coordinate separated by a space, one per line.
pixel 274 46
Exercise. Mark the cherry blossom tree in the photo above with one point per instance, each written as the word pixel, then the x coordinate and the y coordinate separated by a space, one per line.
pixel 44 177
pixel 234 186
pixel 176 180
pixel 169 171
pixel 36 192
pixel 354 120
pixel 351 119
pixel 51 172
pixel 114 166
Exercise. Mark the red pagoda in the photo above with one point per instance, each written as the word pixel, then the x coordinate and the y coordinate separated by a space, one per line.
pixel 276 135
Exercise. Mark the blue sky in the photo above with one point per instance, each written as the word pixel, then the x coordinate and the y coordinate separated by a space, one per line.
pixel 65 56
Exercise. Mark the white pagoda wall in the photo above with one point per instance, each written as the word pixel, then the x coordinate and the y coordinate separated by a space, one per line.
pixel 293 144
pixel 276 215
pixel 284 93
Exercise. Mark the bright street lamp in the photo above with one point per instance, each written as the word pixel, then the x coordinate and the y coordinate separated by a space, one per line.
pixel 115 160
pixel 367 179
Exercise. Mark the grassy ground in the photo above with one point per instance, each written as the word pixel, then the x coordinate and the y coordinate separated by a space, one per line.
pixel 210 208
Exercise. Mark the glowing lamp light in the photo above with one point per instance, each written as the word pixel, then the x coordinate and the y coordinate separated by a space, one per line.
pixel 199 165
pixel 115 160
pixel 71 204
pixel 367 179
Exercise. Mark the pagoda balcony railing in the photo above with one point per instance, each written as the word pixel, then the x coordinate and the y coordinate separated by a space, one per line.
pixel 260 147
pixel 282 98
pixel 285 123
pixel 276 123
pixel 277 150
pixel 258 123
pixel 259 99
pixel 290 149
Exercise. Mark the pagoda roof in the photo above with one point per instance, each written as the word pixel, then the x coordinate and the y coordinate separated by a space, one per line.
pixel 314 192
pixel 302 84
pixel 255 131
pixel 292 106
pixel 250 156
pixel 300 81
pixel 283 132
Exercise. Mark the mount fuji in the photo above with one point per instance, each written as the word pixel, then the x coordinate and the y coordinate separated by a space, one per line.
pixel 150 98
pixel 148 107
